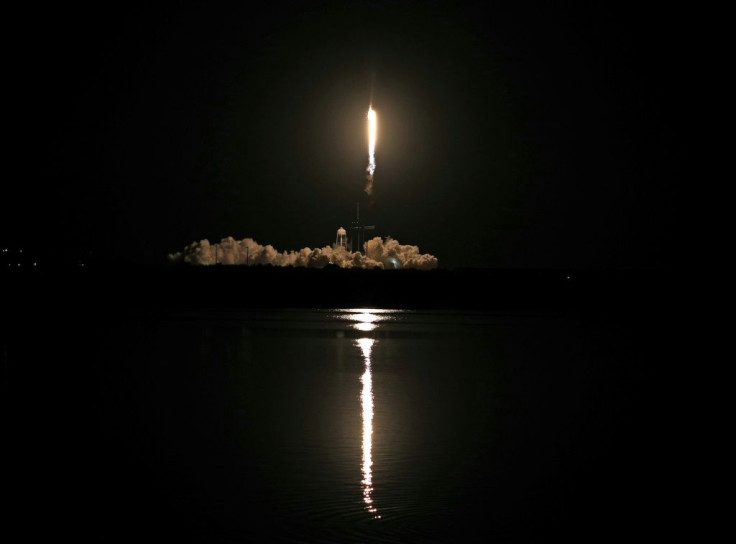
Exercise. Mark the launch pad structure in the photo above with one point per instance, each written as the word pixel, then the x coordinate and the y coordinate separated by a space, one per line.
pixel 357 234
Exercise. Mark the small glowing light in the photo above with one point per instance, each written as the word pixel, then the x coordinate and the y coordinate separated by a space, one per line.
pixel 365 327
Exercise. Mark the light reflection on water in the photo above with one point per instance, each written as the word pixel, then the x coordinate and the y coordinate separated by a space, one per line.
pixel 366 398
pixel 366 319
pixel 250 422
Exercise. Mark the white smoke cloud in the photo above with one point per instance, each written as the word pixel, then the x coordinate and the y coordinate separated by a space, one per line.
pixel 394 255
pixel 378 254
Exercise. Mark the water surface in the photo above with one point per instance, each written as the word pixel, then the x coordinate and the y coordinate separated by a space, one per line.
pixel 362 425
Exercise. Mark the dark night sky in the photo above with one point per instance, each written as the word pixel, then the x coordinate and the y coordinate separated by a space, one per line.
pixel 517 134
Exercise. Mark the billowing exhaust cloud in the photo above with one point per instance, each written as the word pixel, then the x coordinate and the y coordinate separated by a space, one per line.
pixel 379 253
pixel 394 255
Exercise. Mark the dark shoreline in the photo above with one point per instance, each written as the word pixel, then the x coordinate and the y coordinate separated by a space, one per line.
pixel 142 288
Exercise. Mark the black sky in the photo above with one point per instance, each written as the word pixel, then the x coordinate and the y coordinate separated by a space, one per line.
pixel 510 134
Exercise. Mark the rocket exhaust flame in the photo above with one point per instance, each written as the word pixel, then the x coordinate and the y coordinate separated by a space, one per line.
pixel 372 124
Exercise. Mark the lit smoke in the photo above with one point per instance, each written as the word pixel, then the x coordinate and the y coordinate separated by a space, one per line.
pixel 368 183
pixel 378 254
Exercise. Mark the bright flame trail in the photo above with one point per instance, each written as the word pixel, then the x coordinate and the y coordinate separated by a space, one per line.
pixel 372 130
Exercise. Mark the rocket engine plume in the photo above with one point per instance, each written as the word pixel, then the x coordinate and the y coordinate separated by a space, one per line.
pixel 372 123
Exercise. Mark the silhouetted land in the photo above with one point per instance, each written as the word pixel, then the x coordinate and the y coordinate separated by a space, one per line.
pixel 496 290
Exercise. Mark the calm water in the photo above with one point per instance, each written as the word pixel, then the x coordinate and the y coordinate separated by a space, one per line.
pixel 360 425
